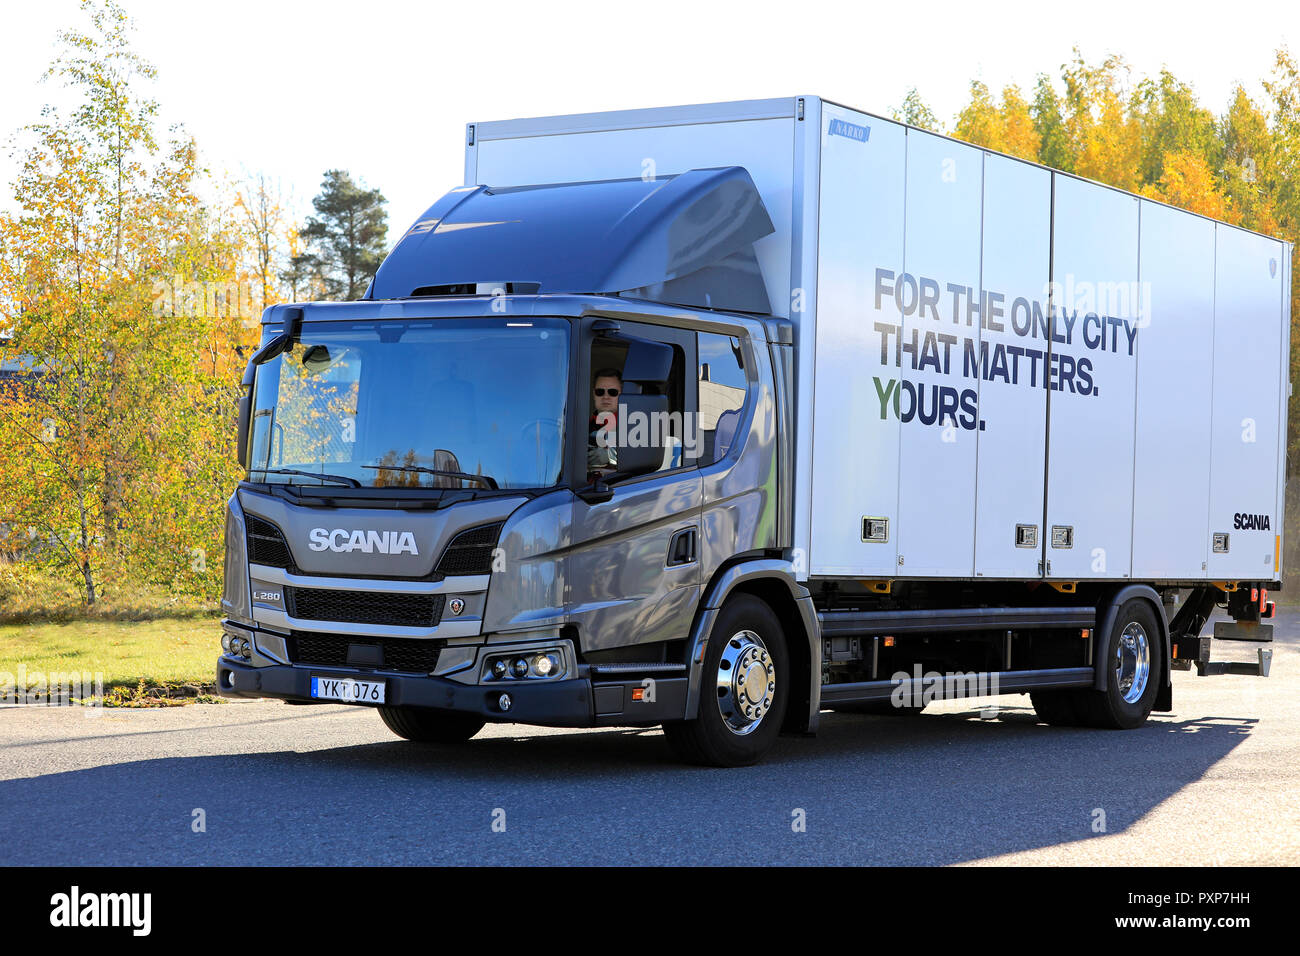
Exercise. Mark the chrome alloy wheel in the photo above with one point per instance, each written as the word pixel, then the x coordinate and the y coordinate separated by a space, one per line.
pixel 1132 662
pixel 746 683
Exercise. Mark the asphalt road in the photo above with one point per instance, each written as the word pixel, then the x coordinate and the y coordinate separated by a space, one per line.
pixel 1215 782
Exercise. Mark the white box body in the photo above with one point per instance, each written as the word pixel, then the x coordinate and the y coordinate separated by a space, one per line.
pixel 924 277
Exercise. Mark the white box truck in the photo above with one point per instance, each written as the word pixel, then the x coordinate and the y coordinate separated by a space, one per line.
pixel 719 416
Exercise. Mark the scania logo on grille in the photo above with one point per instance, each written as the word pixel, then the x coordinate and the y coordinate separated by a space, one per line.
pixel 456 605
pixel 345 542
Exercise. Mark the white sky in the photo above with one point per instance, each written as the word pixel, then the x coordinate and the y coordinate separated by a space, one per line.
pixel 384 88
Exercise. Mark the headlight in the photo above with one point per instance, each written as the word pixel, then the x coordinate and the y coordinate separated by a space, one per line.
pixel 537 663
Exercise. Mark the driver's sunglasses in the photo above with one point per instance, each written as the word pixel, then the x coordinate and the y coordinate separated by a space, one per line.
pixel 602 392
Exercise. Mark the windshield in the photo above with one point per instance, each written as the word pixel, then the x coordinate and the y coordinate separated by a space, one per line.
pixel 434 403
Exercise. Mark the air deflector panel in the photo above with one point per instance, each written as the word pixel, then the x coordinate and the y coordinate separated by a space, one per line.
pixel 686 239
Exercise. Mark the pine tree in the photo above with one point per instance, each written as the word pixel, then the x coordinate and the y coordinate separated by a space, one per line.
pixel 348 234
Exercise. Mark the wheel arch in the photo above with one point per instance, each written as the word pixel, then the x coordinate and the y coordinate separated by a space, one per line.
pixel 1107 609
pixel 772 581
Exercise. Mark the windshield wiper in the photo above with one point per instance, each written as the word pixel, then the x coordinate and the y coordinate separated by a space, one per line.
pixel 486 479
pixel 309 474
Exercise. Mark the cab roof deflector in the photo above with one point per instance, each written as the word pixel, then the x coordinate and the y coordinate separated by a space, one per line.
pixel 685 239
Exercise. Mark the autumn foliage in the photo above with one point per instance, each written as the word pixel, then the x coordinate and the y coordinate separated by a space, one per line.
pixel 116 417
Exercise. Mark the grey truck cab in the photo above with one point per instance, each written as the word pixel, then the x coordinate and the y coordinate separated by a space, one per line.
pixel 422 527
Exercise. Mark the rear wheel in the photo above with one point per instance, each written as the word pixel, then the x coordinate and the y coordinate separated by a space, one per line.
pixel 744 689
pixel 431 726
pixel 1135 668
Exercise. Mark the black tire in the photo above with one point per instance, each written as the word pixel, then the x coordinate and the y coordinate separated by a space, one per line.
pixel 1109 709
pixel 879 708
pixel 1056 707
pixel 710 739
pixel 431 726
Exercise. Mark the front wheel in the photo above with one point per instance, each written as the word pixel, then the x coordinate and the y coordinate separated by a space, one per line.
pixel 744 689
pixel 430 726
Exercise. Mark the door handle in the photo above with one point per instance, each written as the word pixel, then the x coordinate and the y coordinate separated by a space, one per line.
pixel 682 547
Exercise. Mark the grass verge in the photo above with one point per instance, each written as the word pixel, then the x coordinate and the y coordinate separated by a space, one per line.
pixel 150 663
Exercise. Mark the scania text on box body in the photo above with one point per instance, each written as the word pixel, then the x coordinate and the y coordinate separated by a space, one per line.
pixel 719 416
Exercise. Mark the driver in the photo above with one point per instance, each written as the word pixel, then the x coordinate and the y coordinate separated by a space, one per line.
pixel 602 458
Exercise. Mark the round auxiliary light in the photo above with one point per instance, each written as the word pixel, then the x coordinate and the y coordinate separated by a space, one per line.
pixel 499 667
pixel 504 702
pixel 520 667
pixel 225 643
pixel 543 665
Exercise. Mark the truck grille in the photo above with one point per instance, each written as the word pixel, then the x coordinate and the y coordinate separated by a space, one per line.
pixel 399 653
pixel 266 544
pixel 364 607
pixel 470 552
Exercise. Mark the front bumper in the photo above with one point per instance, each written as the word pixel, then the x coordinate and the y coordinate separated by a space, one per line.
pixel 578 702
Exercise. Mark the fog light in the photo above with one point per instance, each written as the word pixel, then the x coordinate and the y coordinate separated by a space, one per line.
pixel 504 702
pixel 229 678
pixel 543 665
pixel 520 667
pixel 499 668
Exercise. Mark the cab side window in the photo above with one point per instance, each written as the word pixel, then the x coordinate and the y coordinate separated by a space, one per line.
pixel 723 387
pixel 617 416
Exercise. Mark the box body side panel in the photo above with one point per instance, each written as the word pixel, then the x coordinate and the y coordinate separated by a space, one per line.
pixel 1012 416
pixel 1175 360
pixel 1091 411
pixel 939 293
pixel 855 440
pixel 1249 273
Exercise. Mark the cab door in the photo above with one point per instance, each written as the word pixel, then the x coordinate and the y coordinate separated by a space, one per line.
pixel 634 571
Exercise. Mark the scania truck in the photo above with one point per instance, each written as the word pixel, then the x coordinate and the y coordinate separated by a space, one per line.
pixel 720 416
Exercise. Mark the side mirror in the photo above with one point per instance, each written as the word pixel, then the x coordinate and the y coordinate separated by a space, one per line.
pixel 281 343
pixel 645 420
pixel 597 493
pixel 642 432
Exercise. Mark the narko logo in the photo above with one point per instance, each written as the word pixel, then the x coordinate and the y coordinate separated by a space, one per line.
pixel 343 541
pixel 1248 522
pixel 839 127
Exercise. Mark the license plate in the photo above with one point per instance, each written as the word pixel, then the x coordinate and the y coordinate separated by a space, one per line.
pixel 348 689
